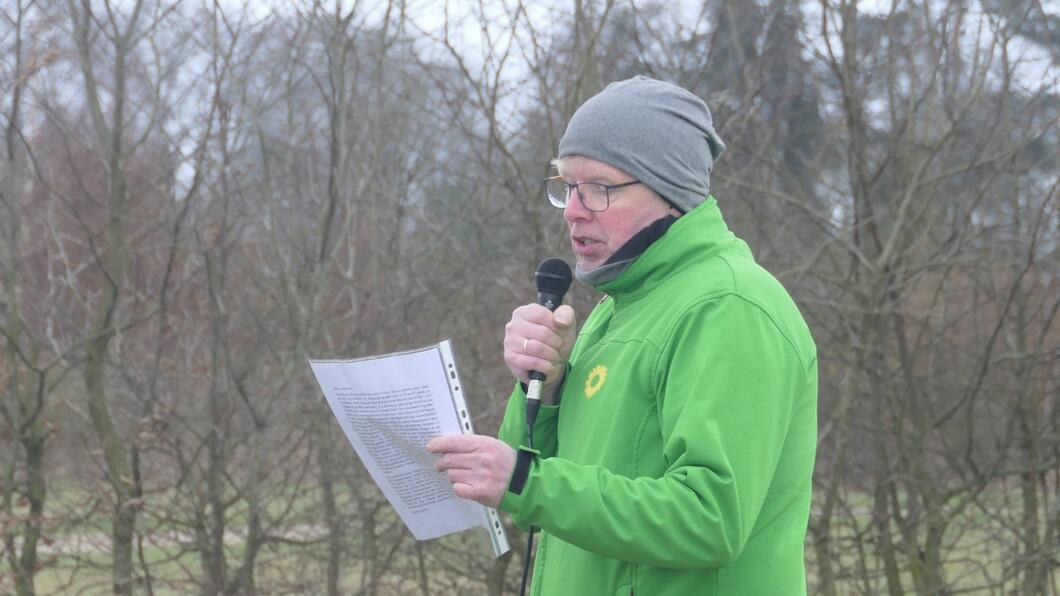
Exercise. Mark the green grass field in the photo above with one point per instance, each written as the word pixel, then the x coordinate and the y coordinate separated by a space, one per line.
pixel 980 552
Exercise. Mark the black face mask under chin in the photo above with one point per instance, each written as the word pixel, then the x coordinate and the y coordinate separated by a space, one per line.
pixel 626 254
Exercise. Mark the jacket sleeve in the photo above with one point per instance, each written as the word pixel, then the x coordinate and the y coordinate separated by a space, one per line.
pixel 513 426
pixel 725 385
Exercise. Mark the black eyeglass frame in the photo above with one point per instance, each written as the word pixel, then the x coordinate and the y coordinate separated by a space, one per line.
pixel 571 187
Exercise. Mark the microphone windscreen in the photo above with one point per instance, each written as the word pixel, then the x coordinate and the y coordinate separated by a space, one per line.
pixel 553 276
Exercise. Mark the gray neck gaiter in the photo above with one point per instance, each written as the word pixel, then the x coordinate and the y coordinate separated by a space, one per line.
pixel 604 273
pixel 625 255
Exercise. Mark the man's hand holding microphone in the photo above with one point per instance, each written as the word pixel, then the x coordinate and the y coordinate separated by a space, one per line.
pixel 539 339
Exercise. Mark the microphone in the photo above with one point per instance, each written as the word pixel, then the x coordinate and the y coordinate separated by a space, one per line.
pixel 553 277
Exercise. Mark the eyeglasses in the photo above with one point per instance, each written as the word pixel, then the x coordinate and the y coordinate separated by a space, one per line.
pixel 593 195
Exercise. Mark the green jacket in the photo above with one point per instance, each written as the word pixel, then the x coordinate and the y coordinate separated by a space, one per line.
pixel 679 458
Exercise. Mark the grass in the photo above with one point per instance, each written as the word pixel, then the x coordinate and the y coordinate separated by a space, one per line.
pixel 980 550
pixel 78 560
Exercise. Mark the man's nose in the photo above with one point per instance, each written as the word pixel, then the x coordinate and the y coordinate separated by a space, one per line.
pixel 575 209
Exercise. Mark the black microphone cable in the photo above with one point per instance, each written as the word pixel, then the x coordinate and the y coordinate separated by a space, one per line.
pixel 530 535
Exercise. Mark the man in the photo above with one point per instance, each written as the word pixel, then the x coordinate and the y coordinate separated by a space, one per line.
pixel 675 448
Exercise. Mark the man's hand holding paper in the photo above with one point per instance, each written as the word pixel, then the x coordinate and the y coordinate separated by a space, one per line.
pixel 478 466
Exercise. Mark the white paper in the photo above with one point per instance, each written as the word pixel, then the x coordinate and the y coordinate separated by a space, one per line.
pixel 389 406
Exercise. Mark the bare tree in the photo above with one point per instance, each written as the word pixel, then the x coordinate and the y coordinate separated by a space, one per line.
pixel 32 365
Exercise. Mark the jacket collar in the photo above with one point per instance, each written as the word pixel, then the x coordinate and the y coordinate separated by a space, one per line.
pixel 694 236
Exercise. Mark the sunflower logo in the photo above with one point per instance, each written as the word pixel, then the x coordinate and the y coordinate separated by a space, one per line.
pixel 595 380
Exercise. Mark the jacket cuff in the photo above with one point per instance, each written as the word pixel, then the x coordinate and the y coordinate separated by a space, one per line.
pixel 524 457
pixel 526 461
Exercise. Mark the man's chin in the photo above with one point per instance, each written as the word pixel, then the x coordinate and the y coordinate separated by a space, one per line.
pixel 586 265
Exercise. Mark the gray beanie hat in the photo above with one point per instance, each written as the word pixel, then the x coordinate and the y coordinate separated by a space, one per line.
pixel 657 132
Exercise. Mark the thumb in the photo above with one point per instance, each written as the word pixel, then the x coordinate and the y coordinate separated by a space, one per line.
pixel 564 316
